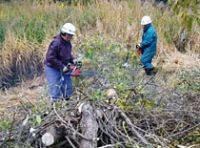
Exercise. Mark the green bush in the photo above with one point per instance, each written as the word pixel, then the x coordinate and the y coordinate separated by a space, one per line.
pixel 5 124
pixel 35 30
pixel 170 30
pixel 19 26
pixel 2 32
pixel 82 2
pixel 85 19
pixel 187 12
pixel 189 81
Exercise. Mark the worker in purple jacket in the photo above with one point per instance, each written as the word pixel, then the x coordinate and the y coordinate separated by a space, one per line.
pixel 57 60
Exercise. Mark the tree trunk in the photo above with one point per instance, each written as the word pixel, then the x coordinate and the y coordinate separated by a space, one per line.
pixel 89 127
pixel 181 41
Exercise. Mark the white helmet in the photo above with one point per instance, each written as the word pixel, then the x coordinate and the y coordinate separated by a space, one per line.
pixel 68 28
pixel 146 20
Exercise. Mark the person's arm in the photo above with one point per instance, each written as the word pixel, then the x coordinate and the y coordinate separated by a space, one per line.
pixel 147 39
pixel 52 53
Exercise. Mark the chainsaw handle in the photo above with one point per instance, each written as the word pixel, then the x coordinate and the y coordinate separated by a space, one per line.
pixel 79 64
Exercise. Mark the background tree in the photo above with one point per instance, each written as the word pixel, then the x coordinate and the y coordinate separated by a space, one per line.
pixel 188 13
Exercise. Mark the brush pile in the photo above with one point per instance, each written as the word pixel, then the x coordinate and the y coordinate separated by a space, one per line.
pixel 154 118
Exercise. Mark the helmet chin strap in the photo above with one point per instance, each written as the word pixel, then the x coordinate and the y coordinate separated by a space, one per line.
pixel 66 37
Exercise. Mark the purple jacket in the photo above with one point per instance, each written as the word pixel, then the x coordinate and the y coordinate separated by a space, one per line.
pixel 59 53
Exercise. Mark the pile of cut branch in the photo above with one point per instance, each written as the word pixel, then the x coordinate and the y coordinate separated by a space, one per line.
pixel 90 124
pixel 84 122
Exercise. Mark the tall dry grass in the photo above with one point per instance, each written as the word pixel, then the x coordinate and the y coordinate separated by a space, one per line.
pixel 20 60
pixel 28 28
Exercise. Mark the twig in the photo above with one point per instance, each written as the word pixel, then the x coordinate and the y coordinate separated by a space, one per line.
pixel 109 145
pixel 11 126
pixel 132 127
pixel 70 142
pixel 182 132
pixel 62 120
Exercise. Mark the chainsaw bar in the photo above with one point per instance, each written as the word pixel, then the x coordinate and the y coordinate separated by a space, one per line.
pixel 88 74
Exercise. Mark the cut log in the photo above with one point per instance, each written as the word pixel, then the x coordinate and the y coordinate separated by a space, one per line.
pixel 89 127
pixel 48 139
pixel 52 135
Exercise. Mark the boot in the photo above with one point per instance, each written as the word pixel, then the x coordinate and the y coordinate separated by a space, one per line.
pixel 66 98
pixel 150 71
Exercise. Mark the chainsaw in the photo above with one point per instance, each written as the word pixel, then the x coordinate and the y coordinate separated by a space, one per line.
pixel 76 70
pixel 138 50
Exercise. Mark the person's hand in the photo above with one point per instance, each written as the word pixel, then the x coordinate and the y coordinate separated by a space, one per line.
pixel 138 46
pixel 74 61
pixel 65 69
pixel 69 68
pixel 78 63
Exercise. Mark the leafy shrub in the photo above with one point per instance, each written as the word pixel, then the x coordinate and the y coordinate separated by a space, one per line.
pixel 2 33
pixel 189 81
pixel 170 30
pixel 35 30
pixel 19 26
pixel 5 124
pixel 86 18
pixel 75 2
pixel 187 12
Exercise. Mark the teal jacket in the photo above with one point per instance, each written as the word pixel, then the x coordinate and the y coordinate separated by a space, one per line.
pixel 149 39
pixel 148 45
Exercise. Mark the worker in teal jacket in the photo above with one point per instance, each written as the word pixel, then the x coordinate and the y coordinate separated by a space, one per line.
pixel 148 45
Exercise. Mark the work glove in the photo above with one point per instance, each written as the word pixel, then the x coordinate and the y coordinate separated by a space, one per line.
pixel 65 69
pixel 138 49
pixel 75 60
pixel 68 68
pixel 74 69
pixel 138 46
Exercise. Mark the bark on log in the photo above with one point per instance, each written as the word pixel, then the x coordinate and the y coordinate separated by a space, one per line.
pixel 89 127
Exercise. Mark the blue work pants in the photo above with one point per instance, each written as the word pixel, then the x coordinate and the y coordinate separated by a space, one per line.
pixel 59 83
pixel 146 60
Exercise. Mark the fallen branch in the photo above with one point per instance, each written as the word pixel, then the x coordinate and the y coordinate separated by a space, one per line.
pixel 128 121
pixel 106 146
